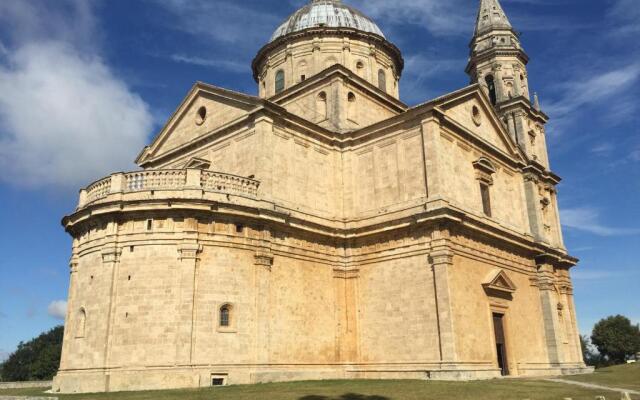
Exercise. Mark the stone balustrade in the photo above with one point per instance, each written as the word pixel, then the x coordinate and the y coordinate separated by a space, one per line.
pixel 168 179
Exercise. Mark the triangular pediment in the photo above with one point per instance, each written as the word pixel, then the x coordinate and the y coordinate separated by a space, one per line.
pixel 499 281
pixel 198 163
pixel 203 110
pixel 470 111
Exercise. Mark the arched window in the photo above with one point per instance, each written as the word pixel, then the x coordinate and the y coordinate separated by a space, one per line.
pixel 81 323
pixel 279 81
pixel 321 106
pixel 491 86
pixel 225 316
pixel 351 106
pixel 382 80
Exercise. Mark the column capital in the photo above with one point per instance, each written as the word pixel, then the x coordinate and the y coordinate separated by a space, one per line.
pixel 189 251
pixel 111 254
pixel 263 258
pixel 441 257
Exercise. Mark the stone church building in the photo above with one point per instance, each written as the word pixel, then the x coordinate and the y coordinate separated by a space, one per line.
pixel 326 230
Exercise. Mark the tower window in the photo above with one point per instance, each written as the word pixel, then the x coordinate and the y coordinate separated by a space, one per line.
pixel 382 80
pixel 225 316
pixel 491 86
pixel 279 81
pixel 486 198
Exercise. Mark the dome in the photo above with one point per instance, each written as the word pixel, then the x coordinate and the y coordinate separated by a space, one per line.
pixel 329 13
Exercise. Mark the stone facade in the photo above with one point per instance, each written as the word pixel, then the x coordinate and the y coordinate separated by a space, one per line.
pixel 349 236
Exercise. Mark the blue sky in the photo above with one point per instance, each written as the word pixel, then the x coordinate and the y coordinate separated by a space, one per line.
pixel 84 85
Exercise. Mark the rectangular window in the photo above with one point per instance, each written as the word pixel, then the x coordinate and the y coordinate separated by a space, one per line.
pixel 217 381
pixel 486 199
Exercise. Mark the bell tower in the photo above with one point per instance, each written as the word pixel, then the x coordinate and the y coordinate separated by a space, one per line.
pixel 498 64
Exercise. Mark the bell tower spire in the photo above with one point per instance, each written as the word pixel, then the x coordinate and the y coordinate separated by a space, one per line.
pixel 491 16
pixel 498 63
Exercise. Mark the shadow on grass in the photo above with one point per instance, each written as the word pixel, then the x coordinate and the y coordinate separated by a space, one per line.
pixel 348 396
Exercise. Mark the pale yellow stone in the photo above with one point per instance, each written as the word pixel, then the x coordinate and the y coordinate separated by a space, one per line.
pixel 345 232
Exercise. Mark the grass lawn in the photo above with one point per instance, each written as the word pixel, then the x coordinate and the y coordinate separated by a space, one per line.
pixel 507 389
pixel 620 376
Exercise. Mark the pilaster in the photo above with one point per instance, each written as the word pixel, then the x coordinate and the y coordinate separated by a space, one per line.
pixel 549 303
pixel 111 262
pixel 531 182
pixel 346 292
pixel 441 260
pixel 189 251
pixel 431 151
pixel 263 262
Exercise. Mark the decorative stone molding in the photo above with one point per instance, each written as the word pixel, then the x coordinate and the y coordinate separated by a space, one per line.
pixel 499 281
pixel 484 170
pixel 441 257
pixel 189 251
pixel 111 254
pixel 342 273
pixel 263 258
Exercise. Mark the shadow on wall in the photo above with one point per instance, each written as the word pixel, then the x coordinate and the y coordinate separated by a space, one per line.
pixel 348 396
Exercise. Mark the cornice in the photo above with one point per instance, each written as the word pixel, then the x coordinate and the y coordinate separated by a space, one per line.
pixel 522 103
pixel 434 213
pixel 492 52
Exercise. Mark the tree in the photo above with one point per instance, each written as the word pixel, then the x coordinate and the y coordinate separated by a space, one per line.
pixel 616 338
pixel 35 360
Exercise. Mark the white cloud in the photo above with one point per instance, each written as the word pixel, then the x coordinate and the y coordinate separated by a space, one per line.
pixel 626 15
pixel 437 16
pixel 70 21
pixel 588 220
pixel 228 22
pixel 65 118
pixel 603 149
pixel 593 89
pixel 227 65
pixel 57 309
pixel 420 71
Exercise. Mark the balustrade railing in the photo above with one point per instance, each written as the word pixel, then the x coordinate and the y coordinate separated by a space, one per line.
pixel 155 179
pixel 217 182
pixel 169 179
